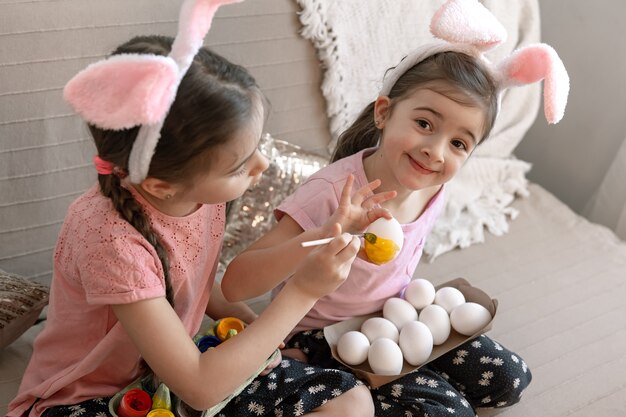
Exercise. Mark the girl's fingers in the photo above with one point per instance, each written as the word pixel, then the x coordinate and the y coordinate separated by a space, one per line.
pixel 374 184
pixel 349 252
pixel 338 241
pixel 272 364
pixel 365 192
pixel 342 242
pixel 378 212
pixel 337 245
pixel 346 192
pixel 375 199
pixel 335 229
pixel 295 354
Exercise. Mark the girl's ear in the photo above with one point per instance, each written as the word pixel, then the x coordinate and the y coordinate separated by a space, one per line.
pixel 159 189
pixel 382 108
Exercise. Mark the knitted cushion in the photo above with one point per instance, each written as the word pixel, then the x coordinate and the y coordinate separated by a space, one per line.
pixel 21 302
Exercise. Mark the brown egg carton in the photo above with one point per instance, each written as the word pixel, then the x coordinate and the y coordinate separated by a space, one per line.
pixel 473 294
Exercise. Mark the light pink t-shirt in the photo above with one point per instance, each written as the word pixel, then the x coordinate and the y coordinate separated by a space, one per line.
pixel 100 259
pixel 368 285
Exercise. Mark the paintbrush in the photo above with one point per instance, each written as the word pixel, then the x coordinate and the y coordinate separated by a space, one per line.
pixel 370 237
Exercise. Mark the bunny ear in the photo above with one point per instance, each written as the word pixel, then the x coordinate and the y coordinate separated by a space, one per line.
pixel 467 22
pixel 123 91
pixel 535 63
pixel 128 90
pixel 194 22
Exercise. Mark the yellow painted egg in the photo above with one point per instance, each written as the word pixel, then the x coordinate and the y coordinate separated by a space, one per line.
pixel 383 240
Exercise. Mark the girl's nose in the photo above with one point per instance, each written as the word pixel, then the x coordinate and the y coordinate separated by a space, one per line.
pixel 261 164
pixel 435 150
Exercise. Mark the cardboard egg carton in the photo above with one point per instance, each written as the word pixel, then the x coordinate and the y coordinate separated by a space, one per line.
pixel 333 332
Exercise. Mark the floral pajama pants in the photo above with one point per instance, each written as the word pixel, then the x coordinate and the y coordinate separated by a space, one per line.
pixel 479 373
pixel 292 389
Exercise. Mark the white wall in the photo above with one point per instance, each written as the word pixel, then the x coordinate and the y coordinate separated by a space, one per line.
pixel 571 158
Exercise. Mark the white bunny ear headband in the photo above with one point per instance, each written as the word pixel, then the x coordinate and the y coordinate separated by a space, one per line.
pixel 129 90
pixel 466 26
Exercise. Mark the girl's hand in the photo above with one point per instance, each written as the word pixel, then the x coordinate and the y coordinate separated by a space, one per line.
pixel 356 212
pixel 326 267
pixel 275 362
pixel 295 353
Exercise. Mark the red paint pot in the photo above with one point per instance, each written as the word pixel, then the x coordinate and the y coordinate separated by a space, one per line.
pixel 135 403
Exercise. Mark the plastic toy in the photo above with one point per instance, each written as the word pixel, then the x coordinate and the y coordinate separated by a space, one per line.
pixel 134 403
pixel 162 398
pixel 228 327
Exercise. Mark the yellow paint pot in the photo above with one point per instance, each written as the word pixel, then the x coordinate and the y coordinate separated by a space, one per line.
pixel 160 412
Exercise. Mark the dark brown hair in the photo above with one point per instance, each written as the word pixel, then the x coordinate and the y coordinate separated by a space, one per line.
pixel 215 99
pixel 458 76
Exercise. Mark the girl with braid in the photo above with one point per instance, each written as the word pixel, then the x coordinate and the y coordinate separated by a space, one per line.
pixel 177 129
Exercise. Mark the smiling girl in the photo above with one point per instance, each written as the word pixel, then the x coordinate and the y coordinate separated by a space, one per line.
pixel 407 144
pixel 434 108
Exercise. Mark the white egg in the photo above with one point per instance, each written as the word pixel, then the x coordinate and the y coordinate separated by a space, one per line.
pixel 416 342
pixel 448 298
pixel 438 321
pixel 352 347
pixel 420 293
pixel 385 357
pixel 377 327
pixel 469 318
pixel 399 311
pixel 388 229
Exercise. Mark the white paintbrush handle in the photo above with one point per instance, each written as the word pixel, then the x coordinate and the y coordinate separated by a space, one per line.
pixel 316 242
pixel 321 241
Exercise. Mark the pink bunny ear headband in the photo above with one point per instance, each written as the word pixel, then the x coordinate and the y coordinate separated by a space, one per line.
pixel 129 90
pixel 466 26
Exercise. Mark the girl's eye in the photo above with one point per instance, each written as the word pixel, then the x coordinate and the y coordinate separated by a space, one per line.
pixel 240 172
pixel 459 144
pixel 423 124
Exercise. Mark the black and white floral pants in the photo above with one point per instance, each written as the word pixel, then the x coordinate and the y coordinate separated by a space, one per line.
pixel 292 389
pixel 479 373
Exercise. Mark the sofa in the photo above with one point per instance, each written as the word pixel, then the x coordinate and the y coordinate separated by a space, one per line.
pixel 559 279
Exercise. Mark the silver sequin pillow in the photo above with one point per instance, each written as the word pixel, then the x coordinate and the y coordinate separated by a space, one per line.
pixel 251 215
pixel 21 302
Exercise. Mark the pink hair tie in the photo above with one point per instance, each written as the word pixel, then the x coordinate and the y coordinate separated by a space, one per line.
pixel 102 167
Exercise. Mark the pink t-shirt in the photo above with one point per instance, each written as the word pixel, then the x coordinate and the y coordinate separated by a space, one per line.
pixel 100 259
pixel 368 285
